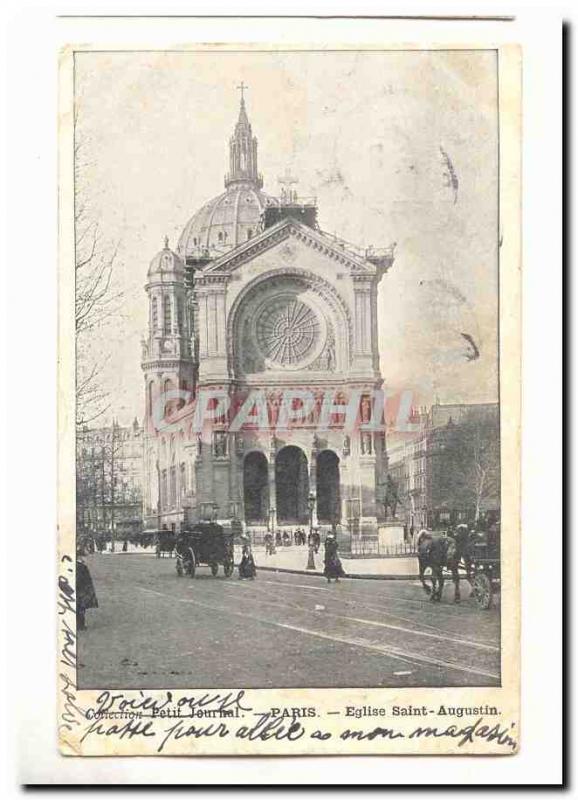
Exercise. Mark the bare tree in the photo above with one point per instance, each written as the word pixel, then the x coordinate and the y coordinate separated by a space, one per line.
pixel 466 460
pixel 97 298
pixel 105 493
pixel 485 450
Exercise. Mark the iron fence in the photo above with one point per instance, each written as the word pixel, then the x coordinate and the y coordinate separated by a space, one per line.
pixel 363 547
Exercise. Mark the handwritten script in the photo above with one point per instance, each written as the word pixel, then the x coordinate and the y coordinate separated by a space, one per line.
pixel 71 715
pixel 168 720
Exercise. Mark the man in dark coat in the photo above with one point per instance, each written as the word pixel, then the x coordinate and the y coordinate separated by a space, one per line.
pixel 85 594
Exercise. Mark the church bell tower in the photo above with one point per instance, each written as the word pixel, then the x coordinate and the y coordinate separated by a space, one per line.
pixel 167 358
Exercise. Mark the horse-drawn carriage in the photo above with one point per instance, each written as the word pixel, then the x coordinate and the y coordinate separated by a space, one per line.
pixel 484 559
pixel 442 553
pixel 206 543
pixel 164 542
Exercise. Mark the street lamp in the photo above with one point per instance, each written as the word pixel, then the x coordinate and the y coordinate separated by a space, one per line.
pixel 311 506
pixel 311 558
pixel 272 512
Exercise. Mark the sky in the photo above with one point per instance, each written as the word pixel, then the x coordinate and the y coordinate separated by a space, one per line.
pixel 367 133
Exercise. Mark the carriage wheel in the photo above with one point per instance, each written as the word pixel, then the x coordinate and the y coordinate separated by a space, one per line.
pixel 483 590
pixel 229 567
pixel 191 564
pixel 214 570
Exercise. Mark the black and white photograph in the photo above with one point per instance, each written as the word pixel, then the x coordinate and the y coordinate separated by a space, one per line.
pixel 288 401
pixel 284 428
pixel 287 390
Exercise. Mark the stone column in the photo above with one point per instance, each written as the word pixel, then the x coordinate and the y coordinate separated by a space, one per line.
pixel 363 325
pixel 212 328
pixel 203 324
pixel 313 482
pixel 272 483
pixel 343 488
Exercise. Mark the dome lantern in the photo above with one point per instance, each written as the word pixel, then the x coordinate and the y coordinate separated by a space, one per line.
pixel 243 151
pixel 166 264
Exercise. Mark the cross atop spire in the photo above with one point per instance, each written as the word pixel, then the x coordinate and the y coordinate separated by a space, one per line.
pixel 287 180
pixel 242 86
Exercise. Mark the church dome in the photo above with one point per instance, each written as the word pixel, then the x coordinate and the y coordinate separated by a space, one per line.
pixel 166 262
pixel 234 216
pixel 225 221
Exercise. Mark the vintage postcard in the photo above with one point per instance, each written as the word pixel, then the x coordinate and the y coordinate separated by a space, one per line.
pixel 289 399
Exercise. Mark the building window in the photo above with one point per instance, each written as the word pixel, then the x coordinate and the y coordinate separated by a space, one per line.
pixel 220 236
pixel 167 397
pixel 155 314
pixel 167 313
pixel 150 398
pixel 181 315
pixel 220 443
pixel 173 487
pixel 208 511
pixel 250 233
pixel 183 486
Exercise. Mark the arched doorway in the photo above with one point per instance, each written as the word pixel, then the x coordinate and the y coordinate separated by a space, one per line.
pixel 328 489
pixel 292 485
pixel 256 487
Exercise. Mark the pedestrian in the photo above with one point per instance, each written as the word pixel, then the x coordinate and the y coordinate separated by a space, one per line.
pixel 286 539
pixel 85 594
pixel 317 539
pixel 247 567
pixel 333 567
pixel 268 543
pixel 124 546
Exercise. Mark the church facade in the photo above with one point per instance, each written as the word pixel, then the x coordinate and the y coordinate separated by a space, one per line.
pixel 262 335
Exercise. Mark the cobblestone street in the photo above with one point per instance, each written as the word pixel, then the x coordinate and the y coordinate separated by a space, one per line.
pixel 153 629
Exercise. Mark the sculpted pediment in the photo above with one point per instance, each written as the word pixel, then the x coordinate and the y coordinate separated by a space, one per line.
pixel 290 236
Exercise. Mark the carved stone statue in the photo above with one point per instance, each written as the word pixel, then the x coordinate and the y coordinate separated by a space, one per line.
pixel 330 357
pixel 366 444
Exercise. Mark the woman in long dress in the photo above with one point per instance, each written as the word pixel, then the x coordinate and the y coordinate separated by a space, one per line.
pixel 333 567
pixel 247 568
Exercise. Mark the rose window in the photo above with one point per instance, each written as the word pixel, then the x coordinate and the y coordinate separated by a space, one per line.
pixel 287 331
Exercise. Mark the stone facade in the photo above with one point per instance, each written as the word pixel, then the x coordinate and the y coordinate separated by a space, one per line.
pixel 286 309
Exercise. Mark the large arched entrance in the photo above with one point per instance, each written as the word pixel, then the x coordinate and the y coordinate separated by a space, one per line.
pixel 292 485
pixel 328 491
pixel 256 487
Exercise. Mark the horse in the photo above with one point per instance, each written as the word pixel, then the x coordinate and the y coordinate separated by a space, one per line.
pixel 463 537
pixel 437 552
